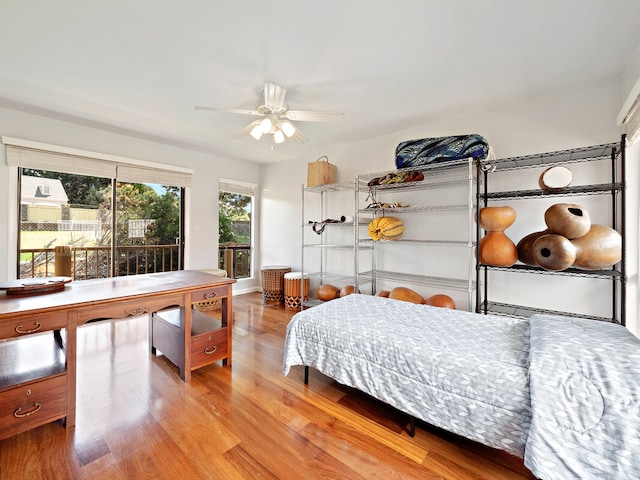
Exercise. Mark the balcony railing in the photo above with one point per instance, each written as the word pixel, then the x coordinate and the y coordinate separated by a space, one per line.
pixel 95 262
pixel 235 259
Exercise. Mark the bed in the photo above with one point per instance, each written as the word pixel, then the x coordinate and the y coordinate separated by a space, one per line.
pixel 561 393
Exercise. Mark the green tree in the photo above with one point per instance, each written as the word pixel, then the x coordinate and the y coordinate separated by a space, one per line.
pixel 225 229
pixel 166 210
pixel 233 205
pixel 136 201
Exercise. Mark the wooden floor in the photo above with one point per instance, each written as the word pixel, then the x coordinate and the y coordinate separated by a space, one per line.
pixel 136 419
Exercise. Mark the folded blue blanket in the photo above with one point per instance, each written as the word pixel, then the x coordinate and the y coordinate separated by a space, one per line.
pixel 416 153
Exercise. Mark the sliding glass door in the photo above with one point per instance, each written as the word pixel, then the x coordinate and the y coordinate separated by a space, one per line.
pixel 73 225
pixel 147 223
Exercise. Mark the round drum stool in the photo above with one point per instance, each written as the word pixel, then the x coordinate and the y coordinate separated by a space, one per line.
pixel 273 283
pixel 292 288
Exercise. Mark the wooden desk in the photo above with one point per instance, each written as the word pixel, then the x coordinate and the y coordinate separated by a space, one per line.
pixel 46 391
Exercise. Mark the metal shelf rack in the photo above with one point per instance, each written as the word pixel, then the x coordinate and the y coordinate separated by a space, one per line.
pixel 614 154
pixel 444 175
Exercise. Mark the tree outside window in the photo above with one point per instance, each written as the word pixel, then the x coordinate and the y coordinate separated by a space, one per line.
pixel 234 237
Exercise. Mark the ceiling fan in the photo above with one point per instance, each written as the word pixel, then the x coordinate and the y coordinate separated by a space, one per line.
pixel 276 117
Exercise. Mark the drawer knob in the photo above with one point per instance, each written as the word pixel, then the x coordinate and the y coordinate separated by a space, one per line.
pixel 37 326
pixel 210 351
pixel 207 296
pixel 18 413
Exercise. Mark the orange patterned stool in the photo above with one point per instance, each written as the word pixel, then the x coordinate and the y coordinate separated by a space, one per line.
pixel 292 287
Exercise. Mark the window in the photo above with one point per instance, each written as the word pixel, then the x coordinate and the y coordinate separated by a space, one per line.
pixel 115 218
pixel 235 227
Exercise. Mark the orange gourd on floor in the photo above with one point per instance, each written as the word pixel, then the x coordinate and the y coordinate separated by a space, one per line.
pixel 441 300
pixel 406 295
pixel 327 292
pixel 347 290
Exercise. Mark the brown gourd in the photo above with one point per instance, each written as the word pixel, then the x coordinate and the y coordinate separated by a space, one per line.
pixel 554 252
pixel 406 294
pixel 347 290
pixel 327 292
pixel 525 247
pixel 441 300
pixel 568 219
pixel 599 249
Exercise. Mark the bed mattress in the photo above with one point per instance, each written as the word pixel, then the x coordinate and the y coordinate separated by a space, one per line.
pixel 442 366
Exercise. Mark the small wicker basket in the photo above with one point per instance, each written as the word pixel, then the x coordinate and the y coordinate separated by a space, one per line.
pixel 210 305
pixel 273 283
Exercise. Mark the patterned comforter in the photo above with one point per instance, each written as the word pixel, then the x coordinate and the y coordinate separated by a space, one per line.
pixel 564 394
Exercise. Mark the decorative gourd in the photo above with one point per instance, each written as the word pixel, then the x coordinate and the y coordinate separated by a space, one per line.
pixel 441 300
pixel 327 292
pixel 555 178
pixel 554 252
pixel 498 250
pixel 495 248
pixel 568 219
pixel 406 294
pixel 525 247
pixel 385 228
pixel 498 218
pixel 599 249
pixel 347 290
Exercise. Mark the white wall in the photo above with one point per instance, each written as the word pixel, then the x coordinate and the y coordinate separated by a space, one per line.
pixel 630 78
pixel 580 116
pixel 202 208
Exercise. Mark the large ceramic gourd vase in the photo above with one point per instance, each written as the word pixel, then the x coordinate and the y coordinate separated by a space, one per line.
pixel 600 248
pixel 495 248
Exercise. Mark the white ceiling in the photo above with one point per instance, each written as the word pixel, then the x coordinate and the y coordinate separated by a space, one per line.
pixel 139 66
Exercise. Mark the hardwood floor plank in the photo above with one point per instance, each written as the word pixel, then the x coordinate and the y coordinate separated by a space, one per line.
pixel 161 460
pixel 210 436
pixel 354 449
pixel 368 427
pixel 137 419
pixel 247 465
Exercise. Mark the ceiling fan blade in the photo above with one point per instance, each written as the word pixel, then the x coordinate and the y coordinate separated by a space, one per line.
pixel 298 137
pixel 228 110
pixel 246 130
pixel 274 95
pixel 309 116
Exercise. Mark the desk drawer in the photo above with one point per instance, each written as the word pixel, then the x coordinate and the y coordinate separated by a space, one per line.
pixel 210 293
pixel 29 324
pixel 208 347
pixel 32 404
pixel 129 308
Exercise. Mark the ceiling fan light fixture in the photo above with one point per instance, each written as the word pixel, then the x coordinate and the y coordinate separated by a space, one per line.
pixel 278 136
pixel 265 125
pixel 256 132
pixel 275 118
pixel 287 128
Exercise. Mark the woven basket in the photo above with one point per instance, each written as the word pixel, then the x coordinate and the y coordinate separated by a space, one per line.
pixel 207 305
pixel 273 283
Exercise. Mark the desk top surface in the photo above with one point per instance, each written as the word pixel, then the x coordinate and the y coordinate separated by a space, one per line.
pixel 107 290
